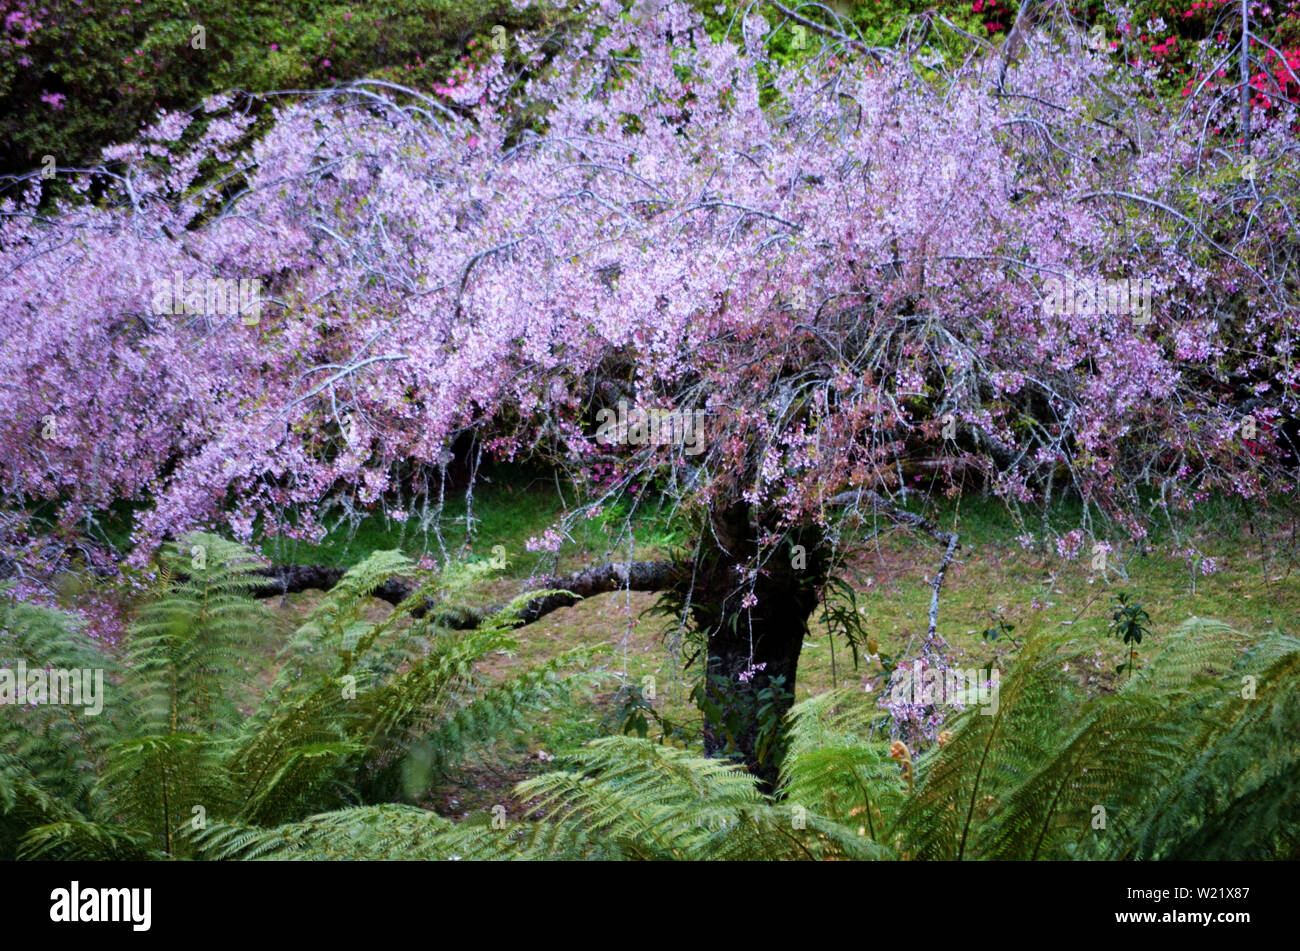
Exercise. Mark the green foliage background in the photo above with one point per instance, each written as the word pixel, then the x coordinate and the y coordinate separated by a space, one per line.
pixel 117 64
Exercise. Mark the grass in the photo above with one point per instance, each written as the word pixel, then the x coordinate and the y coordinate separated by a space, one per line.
pixel 506 512
pixel 1253 588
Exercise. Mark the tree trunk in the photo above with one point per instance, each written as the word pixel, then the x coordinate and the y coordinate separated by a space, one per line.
pixel 753 652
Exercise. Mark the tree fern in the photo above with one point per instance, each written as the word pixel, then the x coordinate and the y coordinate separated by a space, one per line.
pixel 492 712
pixel 49 753
pixel 1235 793
pixel 178 757
pixel 960 783
pixel 832 769
pixel 189 647
pixel 1158 769
pixel 363 694
pixel 381 832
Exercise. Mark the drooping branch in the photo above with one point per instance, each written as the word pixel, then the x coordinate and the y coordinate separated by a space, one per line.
pixel 949 540
pixel 570 589
pixel 937 583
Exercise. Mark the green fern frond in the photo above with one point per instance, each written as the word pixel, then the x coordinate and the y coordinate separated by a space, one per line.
pixel 1170 765
pixel 831 767
pixel 649 801
pixel 1228 796
pixel 375 833
pixel 81 840
pixel 157 780
pixel 337 620
pixel 493 712
pixel 1198 648
pixel 958 785
pixel 189 648
pixel 1111 762
pixel 50 753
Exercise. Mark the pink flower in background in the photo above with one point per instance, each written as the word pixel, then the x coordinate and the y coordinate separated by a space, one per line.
pixel 53 99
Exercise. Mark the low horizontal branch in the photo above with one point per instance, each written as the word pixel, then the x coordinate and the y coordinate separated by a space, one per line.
pixel 571 588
